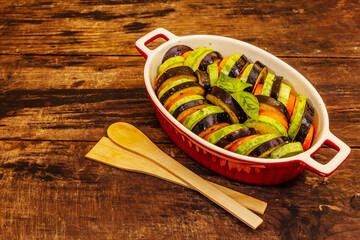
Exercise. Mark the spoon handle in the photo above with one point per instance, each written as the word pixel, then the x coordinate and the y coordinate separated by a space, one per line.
pixel 107 152
pixel 133 139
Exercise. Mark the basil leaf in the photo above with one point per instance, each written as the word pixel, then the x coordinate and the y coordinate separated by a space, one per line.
pixel 248 102
pixel 231 85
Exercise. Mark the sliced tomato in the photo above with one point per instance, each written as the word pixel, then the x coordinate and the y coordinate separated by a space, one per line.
pixel 241 141
pixel 309 137
pixel 258 89
pixel 186 54
pixel 222 63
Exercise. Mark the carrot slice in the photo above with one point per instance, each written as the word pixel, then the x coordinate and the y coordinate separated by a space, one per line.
pixel 309 137
pixel 279 117
pixel 222 63
pixel 178 98
pixel 241 141
pixel 186 54
pixel 258 89
pixel 290 104
pixel 209 135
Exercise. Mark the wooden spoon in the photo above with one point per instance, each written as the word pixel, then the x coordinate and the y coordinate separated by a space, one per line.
pixel 107 152
pixel 133 139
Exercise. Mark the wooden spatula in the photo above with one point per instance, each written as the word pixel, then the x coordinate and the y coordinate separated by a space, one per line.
pixel 133 139
pixel 107 152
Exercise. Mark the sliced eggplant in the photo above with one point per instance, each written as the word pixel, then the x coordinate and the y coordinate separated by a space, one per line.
pixel 276 87
pixel 182 88
pixel 269 103
pixel 172 87
pixel 230 62
pixel 266 148
pixel 222 98
pixel 185 99
pixel 203 79
pixel 239 66
pixel 173 72
pixel 305 124
pixel 210 121
pixel 257 74
pixel 188 105
pixel 176 51
pixel 210 58
pixel 213 128
pixel 231 137
pixel 216 136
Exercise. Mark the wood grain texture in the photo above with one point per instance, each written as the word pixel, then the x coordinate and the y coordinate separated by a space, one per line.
pixel 69 69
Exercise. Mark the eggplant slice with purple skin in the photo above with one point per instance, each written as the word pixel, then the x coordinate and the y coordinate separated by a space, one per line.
pixel 210 121
pixel 210 58
pixel 276 87
pixel 272 102
pixel 267 147
pixel 176 51
pixel 223 99
pixel 203 79
pixel 173 72
pixel 188 105
pixel 257 74
pixel 228 139
pixel 239 66
pixel 306 122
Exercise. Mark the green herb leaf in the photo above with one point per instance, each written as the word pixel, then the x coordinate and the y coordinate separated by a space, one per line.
pixel 248 102
pixel 231 85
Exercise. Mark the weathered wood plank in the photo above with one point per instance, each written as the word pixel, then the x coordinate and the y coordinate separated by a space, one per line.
pixel 77 97
pixel 291 28
pixel 49 190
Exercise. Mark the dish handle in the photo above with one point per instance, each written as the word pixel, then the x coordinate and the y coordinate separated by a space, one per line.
pixel 326 169
pixel 141 43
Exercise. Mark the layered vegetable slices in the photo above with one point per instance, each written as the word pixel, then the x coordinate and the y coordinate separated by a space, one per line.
pixel 187 87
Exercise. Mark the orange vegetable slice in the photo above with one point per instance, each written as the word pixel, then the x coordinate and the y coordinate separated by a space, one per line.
pixel 279 117
pixel 290 104
pixel 222 63
pixel 258 89
pixel 309 137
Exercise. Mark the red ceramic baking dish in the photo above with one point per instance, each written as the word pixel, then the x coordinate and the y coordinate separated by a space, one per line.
pixel 260 171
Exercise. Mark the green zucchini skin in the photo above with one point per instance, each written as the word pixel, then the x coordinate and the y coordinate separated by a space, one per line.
pixel 210 58
pixel 176 51
pixel 267 146
pixel 237 134
pixel 239 66
pixel 305 123
pixel 173 72
pixel 179 87
pixel 210 121
pixel 188 105
pixel 276 87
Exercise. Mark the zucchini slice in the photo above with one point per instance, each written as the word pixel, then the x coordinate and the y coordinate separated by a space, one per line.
pixel 189 61
pixel 230 63
pixel 268 82
pixel 266 125
pixel 296 118
pixel 172 87
pixel 287 150
pixel 174 61
pixel 284 93
pixel 244 76
pixel 173 79
pixel 216 136
pixel 198 60
pixel 184 100
pixel 248 146
pixel 195 117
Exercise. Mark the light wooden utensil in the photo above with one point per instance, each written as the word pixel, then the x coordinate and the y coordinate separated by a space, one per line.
pixel 133 139
pixel 107 152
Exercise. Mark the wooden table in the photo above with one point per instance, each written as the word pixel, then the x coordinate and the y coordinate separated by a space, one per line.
pixel 69 69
